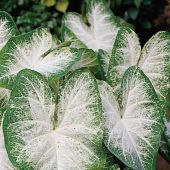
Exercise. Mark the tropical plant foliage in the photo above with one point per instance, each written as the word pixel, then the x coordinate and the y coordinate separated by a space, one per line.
pixel 90 99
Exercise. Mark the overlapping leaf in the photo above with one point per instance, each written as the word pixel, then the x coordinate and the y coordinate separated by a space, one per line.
pixel 133 128
pixel 95 36
pixel 154 59
pixel 36 138
pixel 88 59
pixel 125 53
pixel 33 50
pixel 8 28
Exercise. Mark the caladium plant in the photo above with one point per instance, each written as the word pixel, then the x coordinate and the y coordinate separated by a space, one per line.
pixel 60 115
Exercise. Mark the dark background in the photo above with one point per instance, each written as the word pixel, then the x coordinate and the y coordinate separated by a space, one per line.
pixel 147 16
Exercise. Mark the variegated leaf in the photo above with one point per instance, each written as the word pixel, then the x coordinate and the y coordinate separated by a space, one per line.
pixel 34 51
pixel 68 35
pixel 133 128
pixel 37 138
pixel 104 58
pixel 155 61
pixel 4 96
pixel 8 28
pixel 95 36
pixel 126 52
pixel 5 163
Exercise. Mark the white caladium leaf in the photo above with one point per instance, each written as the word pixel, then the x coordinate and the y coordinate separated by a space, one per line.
pixel 133 128
pixel 8 28
pixel 126 52
pixel 40 136
pixel 5 163
pixel 155 60
pixel 95 36
pixel 34 51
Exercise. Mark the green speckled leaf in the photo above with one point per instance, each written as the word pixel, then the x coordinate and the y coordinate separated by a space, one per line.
pixel 34 51
pixel 134 127
pixel 155 61
pixel 104 58
pixel 125 53
pixel 88 59
pixel 8 28
pixel 40 136
pixel 102 31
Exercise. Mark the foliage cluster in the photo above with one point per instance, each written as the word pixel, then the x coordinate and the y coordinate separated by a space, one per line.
pixel 90 99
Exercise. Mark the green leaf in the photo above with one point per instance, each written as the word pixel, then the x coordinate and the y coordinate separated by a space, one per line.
pixel 126 52
pixel 104 59
pixel 133 13
pixel 62 5
pixel 88 59
pixel 155 61
pixel 40 136
pixel 49 3
pixel 100 19
pixel 8 28
pixel 133 128
pixel 34 51
pixel 138 3
pixel 124 23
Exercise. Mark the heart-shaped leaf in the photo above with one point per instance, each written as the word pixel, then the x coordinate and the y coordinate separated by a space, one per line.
pixel 40 136
pixel 126 52
pixel 133 128
pixel 8 28
pixel 95 36
pixel 154 59
pixel 33 51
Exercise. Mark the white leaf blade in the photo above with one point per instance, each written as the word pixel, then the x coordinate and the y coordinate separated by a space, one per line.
pixel 100 18
pixel 34 51
pixel 8 28
pixel 125 53
pixel 134 137
pixel 34 141
pixel 154 62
